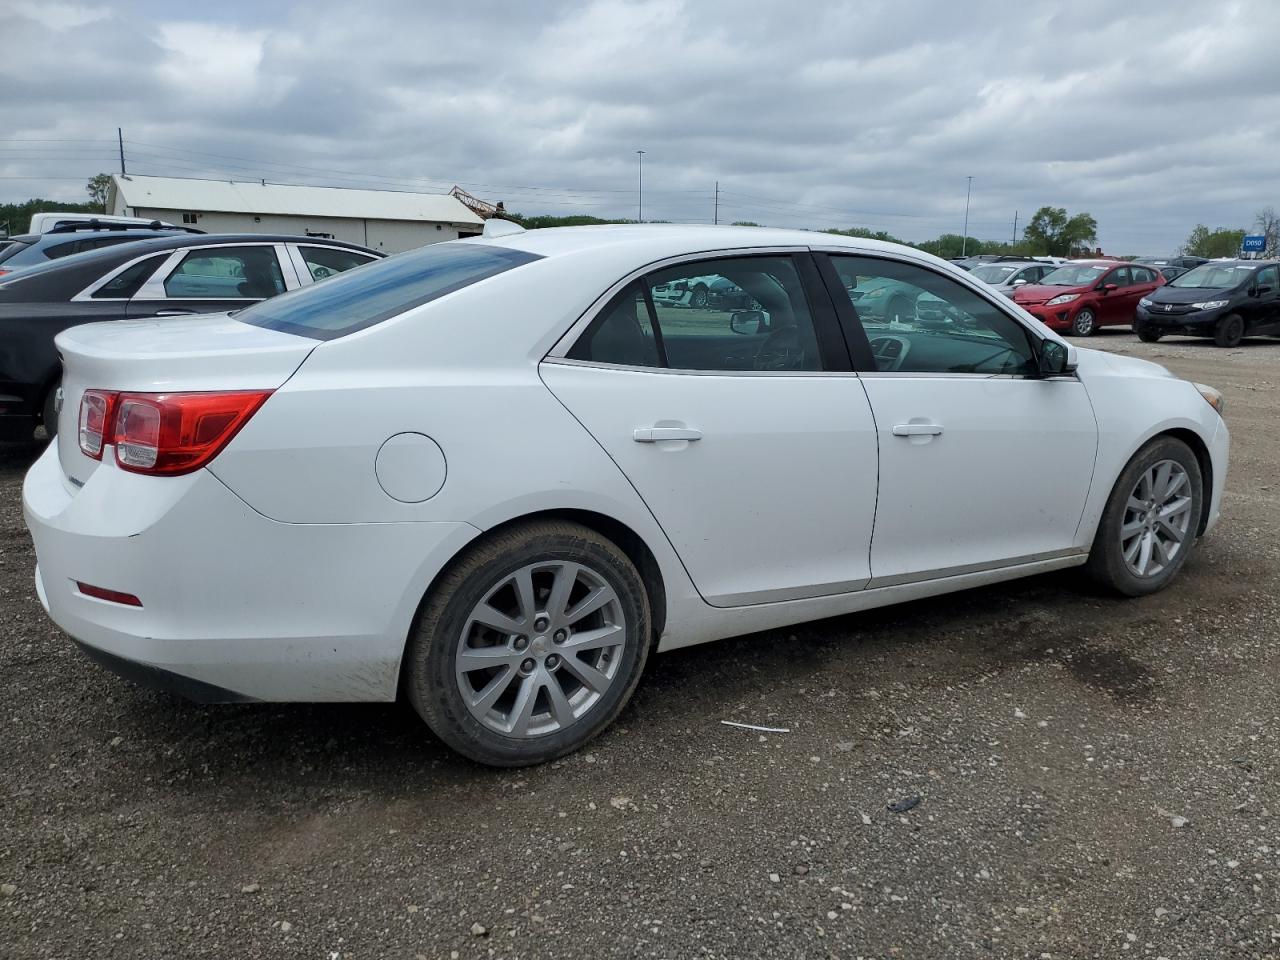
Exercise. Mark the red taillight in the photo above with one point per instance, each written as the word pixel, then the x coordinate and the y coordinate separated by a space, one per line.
pixel 165 434
pixel 102 593
pixel 95 418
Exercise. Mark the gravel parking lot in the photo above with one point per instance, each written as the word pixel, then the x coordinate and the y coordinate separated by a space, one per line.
pixel 1096 777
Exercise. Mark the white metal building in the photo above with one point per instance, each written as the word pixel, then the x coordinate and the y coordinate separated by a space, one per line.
pixel 382 219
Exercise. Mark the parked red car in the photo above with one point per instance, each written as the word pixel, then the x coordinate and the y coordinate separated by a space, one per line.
pixel 1083 295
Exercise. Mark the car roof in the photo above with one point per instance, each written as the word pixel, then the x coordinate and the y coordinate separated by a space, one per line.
pixel 668 240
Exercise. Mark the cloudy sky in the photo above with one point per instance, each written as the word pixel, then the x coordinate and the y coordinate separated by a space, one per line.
pixel 1152 118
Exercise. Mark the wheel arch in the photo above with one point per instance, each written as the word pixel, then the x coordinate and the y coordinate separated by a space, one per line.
pixel 627 540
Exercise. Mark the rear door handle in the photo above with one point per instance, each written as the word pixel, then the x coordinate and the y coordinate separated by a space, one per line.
pixel 917 430
pixel 654 434
pixel 175 312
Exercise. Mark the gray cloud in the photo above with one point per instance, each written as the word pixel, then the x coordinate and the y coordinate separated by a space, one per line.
pixel 833 114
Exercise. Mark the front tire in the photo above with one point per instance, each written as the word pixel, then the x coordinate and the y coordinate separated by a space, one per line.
pixel 699 297
pixel 1229 331
pixel 1084 323
pixel 1148 336
pixel 1151 520
pixel 530 644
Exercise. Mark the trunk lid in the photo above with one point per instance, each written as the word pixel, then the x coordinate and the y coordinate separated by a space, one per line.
pixel 170 355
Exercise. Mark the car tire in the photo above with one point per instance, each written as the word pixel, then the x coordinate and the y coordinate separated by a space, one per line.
pixel 698 297
pixel 1148 336
pixel 1229 331
pixel 48 415
pixel 1116 559
pixel 1084 323
pixel 460 706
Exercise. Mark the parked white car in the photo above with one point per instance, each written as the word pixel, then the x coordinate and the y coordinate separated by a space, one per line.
pixel 44 222
pixel 496 474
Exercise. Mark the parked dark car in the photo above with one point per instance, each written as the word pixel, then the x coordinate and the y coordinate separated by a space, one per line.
pixel 1224 299
pixel 33 249
pixel 1185 262
pixel 167 276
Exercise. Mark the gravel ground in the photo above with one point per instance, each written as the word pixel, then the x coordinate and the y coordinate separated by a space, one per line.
pixel 1098 778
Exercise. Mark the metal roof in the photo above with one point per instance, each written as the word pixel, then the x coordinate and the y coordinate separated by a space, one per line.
pixel 253 196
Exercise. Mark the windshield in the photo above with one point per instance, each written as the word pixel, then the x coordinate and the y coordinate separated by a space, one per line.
pixel 1076 275
pixel 1215 276
pixel 993 273
pixel 378 291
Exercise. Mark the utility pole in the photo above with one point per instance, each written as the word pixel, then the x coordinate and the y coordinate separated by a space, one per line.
pixel 964 239
pixel 715 219
pixel 120 140
pixel 1015 227
pixel 640 207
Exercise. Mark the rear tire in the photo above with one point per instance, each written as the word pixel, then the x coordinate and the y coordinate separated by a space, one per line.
pixel 1229 331
pixel 48 415
pixel 699 297
pixel 1117 558
pixel 544 695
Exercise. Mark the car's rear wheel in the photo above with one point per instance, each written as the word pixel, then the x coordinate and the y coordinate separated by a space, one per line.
pixel 530 644
pixel 1229 331
pixel 1148 336
pixel 1151 520
pixel 48 411
pixel 1084 323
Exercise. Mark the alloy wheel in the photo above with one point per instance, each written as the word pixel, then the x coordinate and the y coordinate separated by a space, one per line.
pixel 540 649
pixel 1082 325
pixel 1157 518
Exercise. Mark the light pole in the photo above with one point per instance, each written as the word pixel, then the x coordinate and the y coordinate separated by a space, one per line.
pixel 640 210
pixel 964 239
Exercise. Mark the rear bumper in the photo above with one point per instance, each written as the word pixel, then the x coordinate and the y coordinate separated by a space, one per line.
pixel 234 605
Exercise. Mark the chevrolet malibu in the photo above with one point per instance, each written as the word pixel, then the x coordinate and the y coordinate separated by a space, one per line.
pixel 495 475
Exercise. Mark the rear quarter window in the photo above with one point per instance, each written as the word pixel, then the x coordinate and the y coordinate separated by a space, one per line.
pixel 379 291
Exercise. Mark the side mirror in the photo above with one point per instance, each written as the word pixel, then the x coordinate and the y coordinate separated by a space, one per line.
pixel 748 322
pixel 1019 283
pixel 1110 288
pixel 1056 359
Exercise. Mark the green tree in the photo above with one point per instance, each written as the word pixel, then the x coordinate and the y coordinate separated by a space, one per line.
pixel 744 223
pixel 1203 242
pixel 952 245
pixel 1268 223
pixel 866 233
pixel 1052 233
pixel 97 188
pixel 16 217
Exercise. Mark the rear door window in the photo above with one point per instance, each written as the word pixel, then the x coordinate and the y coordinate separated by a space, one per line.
pixel 361 298
pixel 226 273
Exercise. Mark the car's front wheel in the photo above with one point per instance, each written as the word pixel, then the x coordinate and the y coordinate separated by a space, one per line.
pixel 530 644
pixel 1151 520
pixel 1229 331
pixel 1084 322
pixel 699 296
pixel 1148 336
pixel 48 410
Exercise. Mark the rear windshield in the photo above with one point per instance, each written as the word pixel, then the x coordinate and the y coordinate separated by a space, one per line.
pixel 9 248
pixel 378 291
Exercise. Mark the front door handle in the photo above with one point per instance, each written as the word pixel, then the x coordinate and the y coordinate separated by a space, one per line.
pixel 655 434
pixel 174 312
pixel 917 430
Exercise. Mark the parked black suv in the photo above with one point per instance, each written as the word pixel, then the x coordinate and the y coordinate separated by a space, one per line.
pixel 162 277
pixel 1224 299
pixel 32 249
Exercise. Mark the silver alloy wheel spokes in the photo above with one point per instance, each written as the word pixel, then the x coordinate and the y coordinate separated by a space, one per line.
pixel 540 648
pixel 1157 518
pixel 1084 322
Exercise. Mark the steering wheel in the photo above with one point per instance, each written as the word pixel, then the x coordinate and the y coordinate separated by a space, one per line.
pixel 781 350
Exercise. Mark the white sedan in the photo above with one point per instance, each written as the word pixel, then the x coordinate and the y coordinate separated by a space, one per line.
pixel 494 475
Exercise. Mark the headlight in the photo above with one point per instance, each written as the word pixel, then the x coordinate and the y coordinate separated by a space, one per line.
pixel 1212 397
pixel 1211 304
pixel 1065 298
pixel 1144 302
